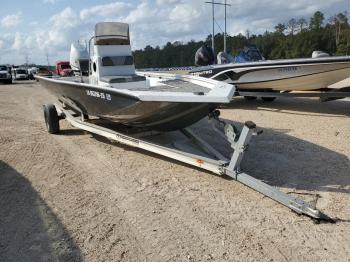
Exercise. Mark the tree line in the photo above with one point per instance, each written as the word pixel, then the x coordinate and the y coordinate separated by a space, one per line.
pixel 294 39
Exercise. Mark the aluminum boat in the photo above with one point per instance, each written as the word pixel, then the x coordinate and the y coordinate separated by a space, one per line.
pixel 113 91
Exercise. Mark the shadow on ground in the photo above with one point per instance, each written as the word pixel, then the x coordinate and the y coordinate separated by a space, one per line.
pixel 295 106
pixel 18 82
pixel 72 132
pixel 29 230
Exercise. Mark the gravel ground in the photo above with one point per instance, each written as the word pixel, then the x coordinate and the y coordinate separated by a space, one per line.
pixel 78 197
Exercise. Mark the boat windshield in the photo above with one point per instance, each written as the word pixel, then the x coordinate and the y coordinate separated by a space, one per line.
pixel 254 55
pixel 117 60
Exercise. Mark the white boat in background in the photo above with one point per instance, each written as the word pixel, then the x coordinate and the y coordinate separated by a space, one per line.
pixel 281 75
pixel 305 74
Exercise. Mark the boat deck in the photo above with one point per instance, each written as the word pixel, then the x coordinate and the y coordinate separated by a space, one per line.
pixel 177 85
pixel 172 85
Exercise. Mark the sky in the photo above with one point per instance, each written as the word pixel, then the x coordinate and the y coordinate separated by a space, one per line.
pixel 41 29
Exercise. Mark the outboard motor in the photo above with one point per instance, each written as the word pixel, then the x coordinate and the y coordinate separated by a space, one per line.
pixel 317 54
pixel 204 56
pixel 79 59
pixel 224 58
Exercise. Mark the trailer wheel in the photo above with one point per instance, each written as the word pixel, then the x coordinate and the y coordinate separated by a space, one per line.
pixel 250 97
pixel 51 119
pixel 268 99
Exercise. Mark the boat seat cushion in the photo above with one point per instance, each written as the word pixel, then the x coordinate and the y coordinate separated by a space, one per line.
pixel 122 79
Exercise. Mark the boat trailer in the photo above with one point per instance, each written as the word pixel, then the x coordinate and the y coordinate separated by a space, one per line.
pixel 210 159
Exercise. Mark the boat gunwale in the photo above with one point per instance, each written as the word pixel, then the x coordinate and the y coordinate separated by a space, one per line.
pixel 158 96
pixel 276 63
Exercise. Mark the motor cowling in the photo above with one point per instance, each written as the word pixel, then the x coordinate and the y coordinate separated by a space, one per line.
pixel 224 58
pixel 318 54
pixel 204 56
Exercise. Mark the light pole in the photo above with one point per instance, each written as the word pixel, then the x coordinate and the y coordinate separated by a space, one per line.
pixel 225 30
pixel 213 34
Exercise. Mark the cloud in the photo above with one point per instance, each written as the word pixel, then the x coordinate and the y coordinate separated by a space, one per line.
pixel 169 2
pixel 144 13
pixel 53 38
pixel 116 9
pixel 34 23
pixel 22 42
pixel 11 20
pixel 49 1
pixel 65 19
pixel 18 42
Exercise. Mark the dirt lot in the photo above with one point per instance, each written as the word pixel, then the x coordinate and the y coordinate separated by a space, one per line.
pixel 74 196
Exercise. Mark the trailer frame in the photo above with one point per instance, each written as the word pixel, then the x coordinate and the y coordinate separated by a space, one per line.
pixel 211 160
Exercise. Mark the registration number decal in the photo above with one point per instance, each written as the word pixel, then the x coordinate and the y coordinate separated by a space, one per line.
pixel 99 95
pixel 290 69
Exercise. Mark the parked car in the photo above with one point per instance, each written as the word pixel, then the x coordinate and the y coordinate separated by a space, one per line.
pixel 5 74
pixel 21 74
pixel 63 68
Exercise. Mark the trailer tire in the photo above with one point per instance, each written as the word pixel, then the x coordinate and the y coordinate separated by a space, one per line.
pixel 51 119
pixel 250 97
pixel 268 99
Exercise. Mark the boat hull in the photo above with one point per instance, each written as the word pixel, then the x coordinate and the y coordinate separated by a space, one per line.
pixel 283 75
pixel 127 110
pixel 308 82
